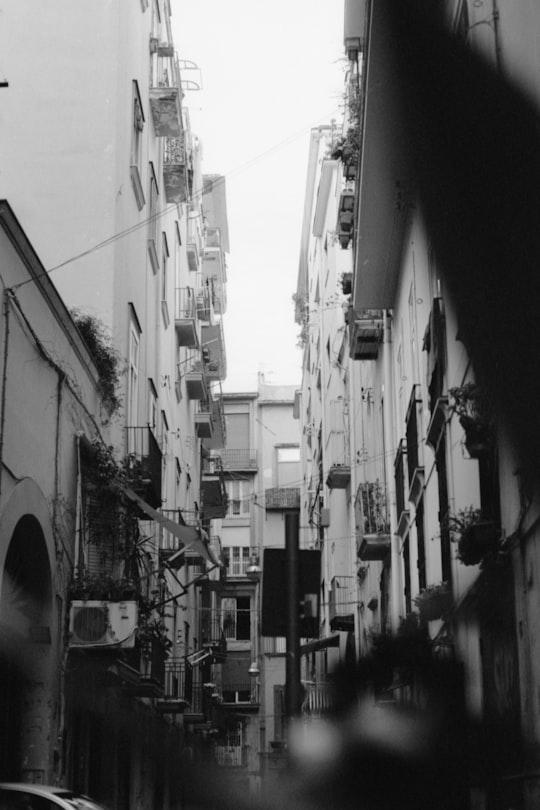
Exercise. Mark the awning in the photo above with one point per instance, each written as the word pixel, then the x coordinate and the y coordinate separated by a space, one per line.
pixel 192 538
pixel 320 644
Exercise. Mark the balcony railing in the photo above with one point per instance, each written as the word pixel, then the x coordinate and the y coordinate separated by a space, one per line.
pixel 282 498
pixel 239 459
pixel 165 99
pixel 319 699
pixel 175 170
pixel 183 686
pixel 366 334
pixel 194 373
pixel 343 601
pixel 230 756
pixel 144 464
pixel 213 493
pixel 211 631
pixel 185 316
pixel 204 420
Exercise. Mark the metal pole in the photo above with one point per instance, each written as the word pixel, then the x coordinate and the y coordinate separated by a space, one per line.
pixel 292 685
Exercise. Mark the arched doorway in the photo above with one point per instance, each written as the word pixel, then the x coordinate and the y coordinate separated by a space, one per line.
pixel 25 646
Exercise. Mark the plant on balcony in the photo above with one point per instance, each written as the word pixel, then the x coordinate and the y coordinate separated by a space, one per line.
pixel 301 306
pixel 434 601
pixel 110 517
pixel 103 587
pixel 108 361
pixel 346 148
pixel 374 508
pixel 151 632
pixel 476 536
pixel 476 417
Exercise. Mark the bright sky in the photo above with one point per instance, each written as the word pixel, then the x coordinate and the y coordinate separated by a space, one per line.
pixel 270 72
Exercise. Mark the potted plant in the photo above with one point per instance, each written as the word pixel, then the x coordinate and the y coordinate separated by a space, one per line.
pixel 476 417
pixel 475 535
pixel 434 601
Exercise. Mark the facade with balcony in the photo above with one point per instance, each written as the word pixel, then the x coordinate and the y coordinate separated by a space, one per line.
pixel 145 536
pixel 431 500
pixel 260 464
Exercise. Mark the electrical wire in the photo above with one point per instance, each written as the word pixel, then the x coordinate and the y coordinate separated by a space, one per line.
pixel 165 210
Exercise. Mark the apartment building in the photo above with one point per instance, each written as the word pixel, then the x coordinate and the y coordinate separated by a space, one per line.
pixel 261 471
pixel 105 173
pixel 432 479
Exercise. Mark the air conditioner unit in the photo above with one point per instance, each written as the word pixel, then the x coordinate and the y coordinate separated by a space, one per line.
pixel 102 624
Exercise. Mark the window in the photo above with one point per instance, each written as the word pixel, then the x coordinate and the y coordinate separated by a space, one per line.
pixel 164 279
pixel 137 127
pixel 153 220
pixel 288 466
pixel 239 498
pixel 152 406
pixel 133 375
pixel 238 431
pixel 164 268
pixel 238 561
pixel 236 621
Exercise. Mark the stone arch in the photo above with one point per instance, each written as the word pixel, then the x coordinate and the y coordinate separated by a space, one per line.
pixel 26 610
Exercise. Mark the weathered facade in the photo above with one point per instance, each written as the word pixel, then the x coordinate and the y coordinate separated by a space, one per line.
pixel 135 240
pixel 435 469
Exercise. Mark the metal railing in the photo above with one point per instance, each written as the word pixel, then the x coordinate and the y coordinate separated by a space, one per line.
pixel 144 462
pixel 185 304
pixel 319 699
pixel 239 459
pixel 174 151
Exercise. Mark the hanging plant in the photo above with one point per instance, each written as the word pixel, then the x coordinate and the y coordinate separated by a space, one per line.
pixel 476 417
pixel 103 587
pixel 476 536
pixel 108 361
pixel 434 601
pixel 152 632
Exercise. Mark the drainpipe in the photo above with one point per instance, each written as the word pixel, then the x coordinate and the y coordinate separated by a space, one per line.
pixel 4 382
pixel 388 421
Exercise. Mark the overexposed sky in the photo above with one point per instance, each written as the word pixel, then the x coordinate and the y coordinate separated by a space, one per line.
pixel 270 72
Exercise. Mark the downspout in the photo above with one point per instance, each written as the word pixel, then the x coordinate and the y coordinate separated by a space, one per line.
pixel 388 421
pixel 4 383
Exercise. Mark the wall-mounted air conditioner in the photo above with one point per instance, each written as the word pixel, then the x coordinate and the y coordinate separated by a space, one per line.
pixel 102 624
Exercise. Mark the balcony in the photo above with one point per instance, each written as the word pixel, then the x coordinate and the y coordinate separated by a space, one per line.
pixel 230 756
pixel 343 602
pixel 165 99
pixel 219 436
pixel 339 476
pixel 212 339
pixel 279 499
pixel 194 242
pixel 204 420
pixel 214 272
pixel 319 699
pixel 213 641
pixel 239 459
pixel 205 307
pixel 147 659
pixel 183 691
pixel 144 464
pixel 175 171
pixel 373 542
pixel 185 317
pixel 345 222
pixel 366 334
pixel 195 377
pixel 213 493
